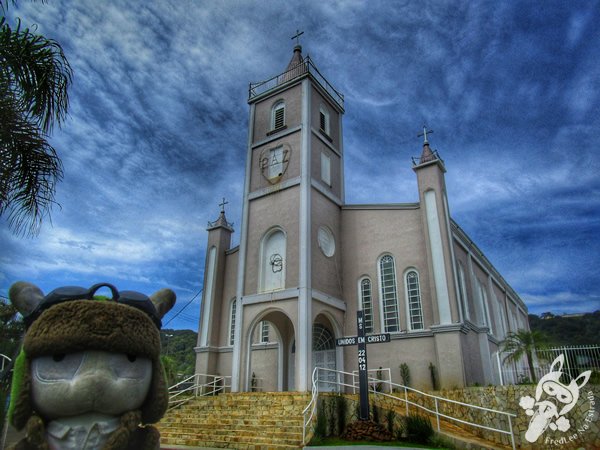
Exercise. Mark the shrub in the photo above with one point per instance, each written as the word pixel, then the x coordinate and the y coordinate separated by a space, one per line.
pixel 418 428
pixel 341 409
pixel 379 386
pixel 375 413
pixel 434 377
pixel 405 374
pixel 321 426
pixel 390 416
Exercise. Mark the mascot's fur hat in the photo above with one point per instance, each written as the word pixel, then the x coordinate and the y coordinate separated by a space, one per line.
pixel 87 324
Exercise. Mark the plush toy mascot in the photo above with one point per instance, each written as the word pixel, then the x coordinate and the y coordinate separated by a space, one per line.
pixel 89 374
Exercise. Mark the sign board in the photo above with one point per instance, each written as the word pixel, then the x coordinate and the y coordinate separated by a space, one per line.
pixel 370 338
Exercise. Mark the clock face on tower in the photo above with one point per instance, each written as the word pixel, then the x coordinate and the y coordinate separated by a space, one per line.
pixel 274 162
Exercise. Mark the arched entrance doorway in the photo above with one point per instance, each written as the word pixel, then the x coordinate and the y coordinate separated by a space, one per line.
pixel 269 339
pixel 324 355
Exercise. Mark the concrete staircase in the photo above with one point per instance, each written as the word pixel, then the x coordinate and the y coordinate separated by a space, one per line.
pixel 246 420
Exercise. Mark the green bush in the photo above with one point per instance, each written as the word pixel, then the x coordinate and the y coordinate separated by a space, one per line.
pixel 405 374
pixel 321 426
pixel 418 428
pixel 390 416
pixel 341 410
pixel 434 377
pixel 375 413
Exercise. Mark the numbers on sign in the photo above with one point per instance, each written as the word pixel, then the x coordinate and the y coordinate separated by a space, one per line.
pixel 362 366
pixel 361 353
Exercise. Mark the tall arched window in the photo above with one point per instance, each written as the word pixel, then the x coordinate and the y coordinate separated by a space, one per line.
pixel 232 322
pixel 278 115
pixel 273 261
pixel 413 300
pixel 389 294
pixel 365 298
pixel 462 290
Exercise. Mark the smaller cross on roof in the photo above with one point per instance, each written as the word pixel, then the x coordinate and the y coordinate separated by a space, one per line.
pixel 222 205
pixel 424 134
pixel 297 36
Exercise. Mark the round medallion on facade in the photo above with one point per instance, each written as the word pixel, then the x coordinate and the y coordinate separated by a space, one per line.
pixel 326 241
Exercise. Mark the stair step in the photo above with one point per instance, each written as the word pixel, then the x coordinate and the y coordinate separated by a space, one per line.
pixel 253 421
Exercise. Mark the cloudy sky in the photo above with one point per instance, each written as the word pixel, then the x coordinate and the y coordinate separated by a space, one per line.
pixel 157 131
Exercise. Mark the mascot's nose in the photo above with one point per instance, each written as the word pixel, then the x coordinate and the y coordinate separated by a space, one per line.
pixel 95 362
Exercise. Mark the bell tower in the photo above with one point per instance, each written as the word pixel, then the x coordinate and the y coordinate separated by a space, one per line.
pixel 294 188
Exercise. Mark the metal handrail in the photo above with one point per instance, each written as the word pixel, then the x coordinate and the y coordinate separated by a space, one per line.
pixel 4 360
pixel 218 384
pixel 300 69
pixel 436 399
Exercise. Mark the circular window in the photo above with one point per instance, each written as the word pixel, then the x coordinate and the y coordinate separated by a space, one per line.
pixel 326 241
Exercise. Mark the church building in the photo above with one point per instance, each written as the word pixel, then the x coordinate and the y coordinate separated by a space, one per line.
pixel 273 306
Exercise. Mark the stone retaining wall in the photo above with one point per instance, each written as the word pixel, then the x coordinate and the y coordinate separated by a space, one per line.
pixel 583 421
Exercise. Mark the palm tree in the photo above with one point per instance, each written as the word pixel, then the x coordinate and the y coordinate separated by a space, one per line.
pixel 34 78
pixel 523 343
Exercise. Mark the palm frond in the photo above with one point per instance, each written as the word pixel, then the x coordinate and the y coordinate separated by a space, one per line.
pixel 29 168
pixel 37 68
pixel 34 80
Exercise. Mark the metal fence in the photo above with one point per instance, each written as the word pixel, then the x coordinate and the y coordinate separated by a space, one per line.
pixel 577 359
pixel 436 406
pixel 300 69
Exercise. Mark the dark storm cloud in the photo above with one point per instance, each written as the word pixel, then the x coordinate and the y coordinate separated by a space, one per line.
pixel 158 128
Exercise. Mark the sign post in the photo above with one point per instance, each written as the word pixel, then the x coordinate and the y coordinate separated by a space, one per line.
pixel 363 375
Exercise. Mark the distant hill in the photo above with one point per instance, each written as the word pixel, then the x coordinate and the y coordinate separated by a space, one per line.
pixel 568 330
pixel 179 345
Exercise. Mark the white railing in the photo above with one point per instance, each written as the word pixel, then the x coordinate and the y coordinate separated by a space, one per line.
pixel 376 383
pixel 4 361
pixel 316 379
pixel 577 359
pixel 198 385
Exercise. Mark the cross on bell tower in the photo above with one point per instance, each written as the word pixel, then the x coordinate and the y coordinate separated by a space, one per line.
pixel 297 36
pixel 424 134
pixel 222 205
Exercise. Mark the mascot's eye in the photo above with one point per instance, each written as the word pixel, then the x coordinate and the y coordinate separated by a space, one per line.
pixel 131 357
pixel 59 366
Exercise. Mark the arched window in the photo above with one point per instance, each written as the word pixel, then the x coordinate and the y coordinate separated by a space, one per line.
pixel 264 332
pixel 389 294
pixel 278 115
pixel 462 290
pixel 322 338
pixel 232 322
pixel 365 298
pixel 273 261
pixel 413 300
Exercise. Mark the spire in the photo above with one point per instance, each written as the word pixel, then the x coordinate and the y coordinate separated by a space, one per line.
pixel 427 155
pixel 221 222
pixel 296 57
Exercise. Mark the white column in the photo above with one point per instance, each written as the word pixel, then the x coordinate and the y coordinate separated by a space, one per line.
pixel 437 257
pixel 236 363
pixel 209 282
pixel 304 338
